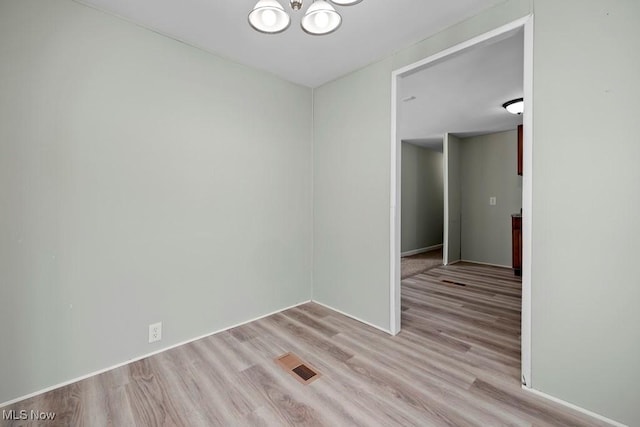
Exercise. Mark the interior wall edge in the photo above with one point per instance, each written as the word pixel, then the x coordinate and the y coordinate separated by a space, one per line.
pixel 573 406
pixel 344 313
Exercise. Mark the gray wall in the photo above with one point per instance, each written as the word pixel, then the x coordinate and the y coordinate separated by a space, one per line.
pixel 351 162
pixel 422 197
pixel 351 186
pixel 133 191
pixel 141 180
pixel 454 193
pixel 585 201
pixel 489 169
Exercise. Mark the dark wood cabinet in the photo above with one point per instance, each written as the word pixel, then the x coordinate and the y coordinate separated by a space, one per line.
pixel 516 243
pixel 520 142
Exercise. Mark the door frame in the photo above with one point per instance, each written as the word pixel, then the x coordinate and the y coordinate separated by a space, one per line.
pixel 527 187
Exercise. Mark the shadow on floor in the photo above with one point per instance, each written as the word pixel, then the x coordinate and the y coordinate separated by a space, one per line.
pixel 415 264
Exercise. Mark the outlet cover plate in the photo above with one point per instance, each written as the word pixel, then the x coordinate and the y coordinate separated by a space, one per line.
pixel 155 332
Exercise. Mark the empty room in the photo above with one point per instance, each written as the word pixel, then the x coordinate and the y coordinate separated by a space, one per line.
pixel 200 211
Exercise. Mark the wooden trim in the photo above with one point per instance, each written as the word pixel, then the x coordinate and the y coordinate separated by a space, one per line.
pixel 574 407
pixel 527 202
pixel 394 213
pixel 354 317
pixel 144 356
pixel 484 263
pixel 496 32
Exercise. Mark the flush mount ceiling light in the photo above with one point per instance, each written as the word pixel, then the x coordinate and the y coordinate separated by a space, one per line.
pixel 268 16
pixel 515 106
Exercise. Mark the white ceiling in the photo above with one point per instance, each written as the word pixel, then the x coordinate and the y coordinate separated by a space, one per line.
pixel 370 31
pixel 463 95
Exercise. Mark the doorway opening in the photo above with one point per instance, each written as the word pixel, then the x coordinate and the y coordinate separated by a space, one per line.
pixel 422 187
pixel 524 27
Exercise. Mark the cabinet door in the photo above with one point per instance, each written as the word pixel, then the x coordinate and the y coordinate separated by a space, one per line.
pixel 516 244
pixel 520 142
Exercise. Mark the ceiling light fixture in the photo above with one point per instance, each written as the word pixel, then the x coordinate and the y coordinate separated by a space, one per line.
pixel 321 18
pixel 515 106
pixel 268 16
pixel 345 2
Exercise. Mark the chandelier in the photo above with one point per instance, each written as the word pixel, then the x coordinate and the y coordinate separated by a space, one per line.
pixel 268 16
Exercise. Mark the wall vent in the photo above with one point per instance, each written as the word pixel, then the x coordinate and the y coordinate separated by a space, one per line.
pixel 298 369
pixel 453 283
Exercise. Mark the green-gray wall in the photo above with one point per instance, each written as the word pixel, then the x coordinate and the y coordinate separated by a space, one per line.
pixel 141 180
pixel 422 197
pixel 351 193
pixel 586 199
pixel 585 343
pixel 133 189
pixel 489 169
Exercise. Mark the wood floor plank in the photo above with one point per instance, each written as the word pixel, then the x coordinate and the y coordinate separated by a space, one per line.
pixel 456 362
pixel 151 399
pixel 290 410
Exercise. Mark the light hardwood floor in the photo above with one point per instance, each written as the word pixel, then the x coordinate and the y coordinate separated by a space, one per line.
pixel 455 363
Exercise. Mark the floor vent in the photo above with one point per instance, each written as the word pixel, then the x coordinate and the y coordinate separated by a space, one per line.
pixel 298 369
pixel 453 283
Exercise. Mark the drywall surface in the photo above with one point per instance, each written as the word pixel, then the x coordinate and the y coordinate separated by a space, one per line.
pixel 352 158
pixel 351 268
pixel 454 198
pixel 586 233
pixel 585 198
pixel 489 169
pixel 422 197
pixel 141 180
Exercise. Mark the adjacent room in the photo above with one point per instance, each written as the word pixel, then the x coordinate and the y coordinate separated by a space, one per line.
pixel 459 101
pixel 200 213
pixel 461 181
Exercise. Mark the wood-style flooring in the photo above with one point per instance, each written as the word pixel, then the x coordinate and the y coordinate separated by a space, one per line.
pixel 455 363
pixel 414 264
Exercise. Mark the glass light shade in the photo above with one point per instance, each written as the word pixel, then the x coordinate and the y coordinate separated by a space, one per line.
pixel 321 18
pixel 345 2
pixel 268 16
pixel 515 106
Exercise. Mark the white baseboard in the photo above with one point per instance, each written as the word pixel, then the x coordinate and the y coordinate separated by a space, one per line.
pixel 574 407
pixel 486 263
pixel 387 331
pixel 135 359
pixel 421 250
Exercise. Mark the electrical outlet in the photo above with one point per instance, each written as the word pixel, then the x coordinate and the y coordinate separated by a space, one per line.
pixel 155 332
pixel 492 201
